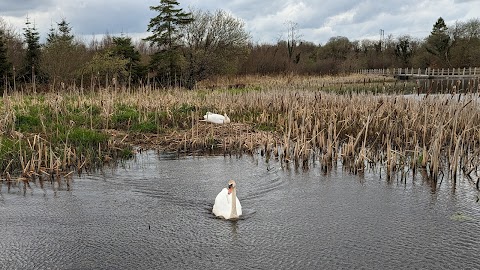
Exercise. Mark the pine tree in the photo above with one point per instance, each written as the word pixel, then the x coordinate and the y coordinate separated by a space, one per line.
pixel 64 31
pixel 438 43
pixel 61 34
pixel 123 48
pixel 166 37
pixel 32 57
pixel 52 35
pixel 5 65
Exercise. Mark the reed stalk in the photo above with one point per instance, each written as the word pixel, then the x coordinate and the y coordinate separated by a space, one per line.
pixel 299 120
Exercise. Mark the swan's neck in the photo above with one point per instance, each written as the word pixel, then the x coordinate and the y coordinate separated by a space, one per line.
pixel 233 214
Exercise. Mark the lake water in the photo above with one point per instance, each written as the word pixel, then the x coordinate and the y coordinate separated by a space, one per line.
pixel 154 212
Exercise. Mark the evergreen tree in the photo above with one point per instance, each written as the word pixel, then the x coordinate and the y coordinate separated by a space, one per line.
pixel 5 65
pixel 52 36
pixel 61 34
pixel 32 56
pixel 65 29
pixel 166 37
pixel 438 43
pixel 60 57
pixel 123 48
pixel 403 50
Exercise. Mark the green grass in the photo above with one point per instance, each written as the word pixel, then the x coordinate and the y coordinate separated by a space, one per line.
pixel 126 153
pixel 28 123
pixel 9 149
pixel 185 108
pixel 84 115
pixel 7 146
pixel 86 138
pixel 266 127
pixel 124 116
pixel 241 88
pixel 145 127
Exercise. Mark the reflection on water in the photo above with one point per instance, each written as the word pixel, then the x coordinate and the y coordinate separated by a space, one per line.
pixel 155 213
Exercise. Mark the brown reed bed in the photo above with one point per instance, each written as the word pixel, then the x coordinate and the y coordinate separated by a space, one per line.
pixel 435 133
pixel 299 120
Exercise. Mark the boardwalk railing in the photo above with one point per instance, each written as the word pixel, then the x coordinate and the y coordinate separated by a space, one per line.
pixel 427 73
pixel 429 80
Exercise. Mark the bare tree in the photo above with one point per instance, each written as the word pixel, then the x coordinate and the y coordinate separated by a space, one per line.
pixel 215 43
pixel 62 56
pixel 466 30
pixel 293 38
pixel 14 44
pixel 465 44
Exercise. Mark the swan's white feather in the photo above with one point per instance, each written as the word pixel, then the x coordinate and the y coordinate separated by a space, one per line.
pixel 223 205
pixel 216 118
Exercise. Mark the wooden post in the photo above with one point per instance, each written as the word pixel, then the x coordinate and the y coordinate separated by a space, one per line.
pixel 33 79
pixel 106 81
pixel 14 81
pixel 81 84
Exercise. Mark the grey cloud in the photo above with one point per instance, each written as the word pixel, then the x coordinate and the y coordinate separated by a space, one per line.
pixel 22 7
pixel 265 20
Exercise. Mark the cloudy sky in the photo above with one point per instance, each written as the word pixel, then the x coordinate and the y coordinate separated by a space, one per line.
pixel 317 21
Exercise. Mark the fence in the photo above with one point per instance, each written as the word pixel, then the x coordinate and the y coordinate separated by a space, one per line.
pixel 427 73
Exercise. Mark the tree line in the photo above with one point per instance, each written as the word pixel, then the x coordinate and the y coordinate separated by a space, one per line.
pixel 187 47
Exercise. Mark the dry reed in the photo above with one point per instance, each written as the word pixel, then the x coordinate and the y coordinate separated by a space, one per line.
pixel 297 120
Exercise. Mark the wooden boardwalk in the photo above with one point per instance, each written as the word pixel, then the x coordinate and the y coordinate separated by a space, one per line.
pixel 427 73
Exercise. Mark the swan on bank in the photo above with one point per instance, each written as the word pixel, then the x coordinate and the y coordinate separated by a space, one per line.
pixel 216 118
pixel 227 204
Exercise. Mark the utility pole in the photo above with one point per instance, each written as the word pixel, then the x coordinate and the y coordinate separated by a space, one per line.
pixel 382 38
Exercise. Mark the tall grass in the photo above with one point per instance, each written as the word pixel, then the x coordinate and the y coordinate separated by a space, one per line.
pixel 435 133
pixel 359 121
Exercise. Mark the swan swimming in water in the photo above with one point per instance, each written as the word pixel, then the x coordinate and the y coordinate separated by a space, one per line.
pixel 227 204
pixel 216 118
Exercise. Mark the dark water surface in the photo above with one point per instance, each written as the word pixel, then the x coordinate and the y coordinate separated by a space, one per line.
pixel 155 213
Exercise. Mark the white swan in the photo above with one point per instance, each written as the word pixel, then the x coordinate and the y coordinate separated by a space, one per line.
pixel 216 118
pixel 227 204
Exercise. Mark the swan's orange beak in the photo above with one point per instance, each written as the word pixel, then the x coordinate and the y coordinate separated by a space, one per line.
pixel 230 189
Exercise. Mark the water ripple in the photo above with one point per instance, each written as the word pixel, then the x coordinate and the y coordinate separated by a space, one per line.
pixel 155 213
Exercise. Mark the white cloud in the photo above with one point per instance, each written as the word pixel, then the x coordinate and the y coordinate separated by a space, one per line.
pixel 339 19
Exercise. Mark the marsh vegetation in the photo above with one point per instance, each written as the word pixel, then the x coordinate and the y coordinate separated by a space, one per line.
pixel 298 120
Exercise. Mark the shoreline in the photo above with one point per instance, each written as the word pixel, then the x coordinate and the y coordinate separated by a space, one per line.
pixel 289 118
